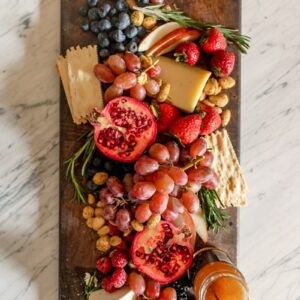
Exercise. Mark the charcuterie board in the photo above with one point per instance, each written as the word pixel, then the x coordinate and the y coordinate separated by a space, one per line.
pixel 77 250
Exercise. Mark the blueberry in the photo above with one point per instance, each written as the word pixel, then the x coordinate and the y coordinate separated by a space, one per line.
pixel 121 5
pixel 104 53
pixel 91 171
pixel 135 39
pixel 96 195
pixel 141 31
pixel 92 3
pixel 142 2
pixel 132 46
pixel 118 47
pixel 91 185
pixel 106 7
pixel 118 36
pixel 114 21
pixel 102 35
pixel 83 11
pixel 104 25
pixel 124 21
pixel 97 161
pixel 93 14
pixel 85 26
pixel 103 43
pixel 102 13
pixel 108 166
pixel 113 11
pixel 131 31
pixel 95 27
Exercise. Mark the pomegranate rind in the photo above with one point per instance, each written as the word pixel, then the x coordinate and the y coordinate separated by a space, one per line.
pixel 105 120
pixel 148 240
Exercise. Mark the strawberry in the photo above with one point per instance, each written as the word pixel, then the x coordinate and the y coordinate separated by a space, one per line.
pixel 187 52
pixel 119 259
pixel 222 63
pixel 168 114
pixel 118 278
pixel 186 128
pixel 108 284
pixel 104 265
pixel 211 120
pixel 213 41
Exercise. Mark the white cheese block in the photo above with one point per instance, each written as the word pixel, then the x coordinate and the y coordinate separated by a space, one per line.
pixel 121 294
pixel 187 82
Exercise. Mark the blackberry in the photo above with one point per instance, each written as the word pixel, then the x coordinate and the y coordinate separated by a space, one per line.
pixel 182 287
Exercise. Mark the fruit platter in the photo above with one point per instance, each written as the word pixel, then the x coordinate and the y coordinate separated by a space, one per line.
pixel 149 144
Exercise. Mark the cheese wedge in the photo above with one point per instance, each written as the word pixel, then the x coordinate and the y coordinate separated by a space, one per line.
pixel 187 82
pixel 121 294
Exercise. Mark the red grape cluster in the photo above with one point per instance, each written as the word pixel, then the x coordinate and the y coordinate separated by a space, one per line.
pixel 122 71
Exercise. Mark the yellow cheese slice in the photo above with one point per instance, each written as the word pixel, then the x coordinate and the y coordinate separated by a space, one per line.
pixel 187 82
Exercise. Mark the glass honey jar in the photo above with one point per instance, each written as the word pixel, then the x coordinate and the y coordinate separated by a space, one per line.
pixel 215 277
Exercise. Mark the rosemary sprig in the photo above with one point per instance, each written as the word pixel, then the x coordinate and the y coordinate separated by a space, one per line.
pixel 213 215
pixel 86 153
pixel 232 35
pixel 91 285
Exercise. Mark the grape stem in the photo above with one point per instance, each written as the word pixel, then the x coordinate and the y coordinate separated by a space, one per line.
pixel 193 163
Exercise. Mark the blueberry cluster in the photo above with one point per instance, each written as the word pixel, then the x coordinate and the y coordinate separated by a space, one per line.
pixel 112 25
pixel 183 286
pixel 100 163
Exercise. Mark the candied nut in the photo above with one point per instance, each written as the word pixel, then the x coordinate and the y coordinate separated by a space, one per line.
pixel 98 222
pixel 104 230
pixel 142 78
pixel 126 233
pixel 207 102
pixel 167 7
pixel 149 23
pixel 220 100
pixel 100 204
pixel 203 96
pixel 225 117
pixel 154 110
pixel 137 18
pixel 100 178
pixel 103 243
pixel 137 226
pixel 153 221
pixel 227 82
pixel 218 90
pixel 218 109
pixel 146 61
pixel 164 92
pixel 91 199
pixel 88 212
pixel 89 222
pixel 211 86
pixel 98 212
pixel 131 264
pixel 115 240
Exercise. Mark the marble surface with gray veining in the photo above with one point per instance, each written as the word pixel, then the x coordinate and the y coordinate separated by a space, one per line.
pixel 269 248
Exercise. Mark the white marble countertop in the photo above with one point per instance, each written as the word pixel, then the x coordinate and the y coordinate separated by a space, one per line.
pixel 29 92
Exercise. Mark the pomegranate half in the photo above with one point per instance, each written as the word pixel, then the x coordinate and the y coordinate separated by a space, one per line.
pixel 163 253
pixel 124 129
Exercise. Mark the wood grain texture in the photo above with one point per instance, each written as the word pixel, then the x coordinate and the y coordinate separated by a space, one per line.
pixel 77 242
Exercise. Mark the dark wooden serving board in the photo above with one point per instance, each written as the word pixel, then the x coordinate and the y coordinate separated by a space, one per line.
pixel 77 252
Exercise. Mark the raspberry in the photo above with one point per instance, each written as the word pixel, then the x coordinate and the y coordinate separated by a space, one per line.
pixel 122 246
pixel 104 265
pixel 108 285
pixel 119 259
pixel 118 278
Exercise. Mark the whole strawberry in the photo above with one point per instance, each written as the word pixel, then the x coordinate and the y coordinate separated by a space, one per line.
pixel 108 285
pixel 222 63
pixel 104 265
pixel 168 113
pixel 213 41
pixel 186 128
pixel 211 120
pixel 187 52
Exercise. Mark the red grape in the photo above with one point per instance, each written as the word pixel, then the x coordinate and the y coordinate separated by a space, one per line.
pixel 160 153
pixel 123 219
pixel 169 215
pixel 158 203
pixel 136 283
pixel 154 71
pixel 193 186
pixel 104 73
pixel 199 175
pixel 208 159
pixel 138 92
pixel 151 87
pixel 176 192
pixel 117 64
pixel 115 185
pixel 112 92
pixel 126 81
pixel 133 63
pixel 128 182
pixel 146 165
pixel 185 155
pixel 109 212
pixel 190 201
pixel 178 175
pixel 175 205
pixel 168 293
pixel 213 182
pixel 157 2
pixel 142 190
pixel 174 151
pixel 143 212
pixel 106 196
pixel 163 182
pixel 198 148
pixel 152 289
pixel 137 178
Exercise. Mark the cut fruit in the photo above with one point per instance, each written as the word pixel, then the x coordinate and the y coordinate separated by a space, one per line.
pixel 187 82
pixel 155 35
pixel 200 225
pixel 121 294
pixel 171 40
pixel 164 253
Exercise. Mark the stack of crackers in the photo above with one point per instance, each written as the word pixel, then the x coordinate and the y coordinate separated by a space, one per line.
pixel 82 88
